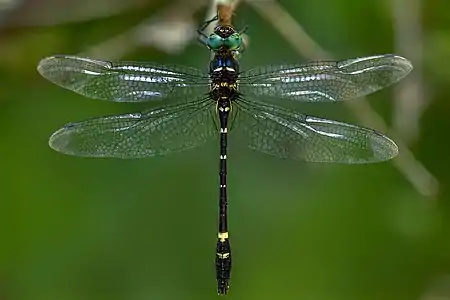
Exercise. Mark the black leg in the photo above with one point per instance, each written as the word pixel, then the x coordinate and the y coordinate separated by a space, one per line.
pixel 201 35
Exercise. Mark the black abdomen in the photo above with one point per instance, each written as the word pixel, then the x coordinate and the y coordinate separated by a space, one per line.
pixel 223 266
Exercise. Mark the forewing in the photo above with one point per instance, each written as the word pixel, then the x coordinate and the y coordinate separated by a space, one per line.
pixel 155 132
pixel 286 134
pixel 123 81
pixel 325 81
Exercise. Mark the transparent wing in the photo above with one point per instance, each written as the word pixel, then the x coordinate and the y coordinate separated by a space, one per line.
pixel 123 81
pixel 325 81
pixel 287 134
pixel 155 132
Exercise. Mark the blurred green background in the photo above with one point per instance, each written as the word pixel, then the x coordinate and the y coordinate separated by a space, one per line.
pixel 79 229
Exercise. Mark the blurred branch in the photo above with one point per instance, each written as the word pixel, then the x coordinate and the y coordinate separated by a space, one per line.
pixel 171 30
pixel 224 8
pixel 289 29
pixel 422 180
pixel 438 289
pixel 409 96
pixel 54 12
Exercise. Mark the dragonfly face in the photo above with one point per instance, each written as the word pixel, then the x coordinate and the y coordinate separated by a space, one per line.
pixel 224 31
pixel 202 104
pixel 224 38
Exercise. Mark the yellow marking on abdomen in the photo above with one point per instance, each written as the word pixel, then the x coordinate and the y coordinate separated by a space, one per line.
pixel 223 236
pixel 223 255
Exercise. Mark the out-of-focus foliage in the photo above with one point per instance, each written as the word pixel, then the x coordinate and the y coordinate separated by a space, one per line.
pixel 80 229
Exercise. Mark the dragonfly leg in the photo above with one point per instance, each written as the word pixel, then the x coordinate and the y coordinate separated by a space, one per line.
pixel 202 37
pixel 200 31
pixel 206 23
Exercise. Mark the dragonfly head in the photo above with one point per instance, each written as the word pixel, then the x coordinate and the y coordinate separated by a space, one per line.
pixel 224 37
pixel 224 31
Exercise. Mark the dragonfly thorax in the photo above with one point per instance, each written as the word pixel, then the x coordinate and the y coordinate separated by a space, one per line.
pixel 223 61
pixel 224 70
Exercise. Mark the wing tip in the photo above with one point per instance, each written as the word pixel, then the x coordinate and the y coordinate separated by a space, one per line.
pixel 58 141
pixel 400 63
pixel 389 59
pixel 384 148
pixel 403 64
pixel 48 65
pixel 43 65
pixel 48 68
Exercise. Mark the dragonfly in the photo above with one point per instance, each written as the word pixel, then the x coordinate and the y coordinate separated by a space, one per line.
pixel 227 104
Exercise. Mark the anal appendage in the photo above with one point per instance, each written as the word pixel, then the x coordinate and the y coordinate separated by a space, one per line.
pixel 223 263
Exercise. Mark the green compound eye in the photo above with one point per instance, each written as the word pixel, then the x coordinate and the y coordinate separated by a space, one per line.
pixel 214 41
pixel 234 41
